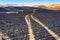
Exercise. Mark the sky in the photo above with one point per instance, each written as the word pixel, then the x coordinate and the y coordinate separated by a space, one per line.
pixel 30 2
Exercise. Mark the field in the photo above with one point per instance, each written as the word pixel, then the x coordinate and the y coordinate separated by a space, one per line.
pixel 26 23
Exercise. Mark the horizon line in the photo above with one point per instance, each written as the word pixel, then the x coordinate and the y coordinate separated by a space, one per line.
pixel 24 4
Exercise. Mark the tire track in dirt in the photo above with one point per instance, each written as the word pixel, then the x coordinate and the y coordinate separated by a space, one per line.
pixel 30 30
pixel 46 27
pixel 5 37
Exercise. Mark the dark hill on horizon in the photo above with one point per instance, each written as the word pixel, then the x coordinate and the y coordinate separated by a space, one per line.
pixel 27 9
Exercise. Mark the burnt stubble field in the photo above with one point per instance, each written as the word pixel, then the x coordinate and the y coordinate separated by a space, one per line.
pixel 19 23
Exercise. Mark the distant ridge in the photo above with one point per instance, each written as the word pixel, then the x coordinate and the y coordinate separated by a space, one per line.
pixel 51 7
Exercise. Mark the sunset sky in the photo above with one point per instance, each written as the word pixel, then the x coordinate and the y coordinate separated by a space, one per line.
pixel 30 2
